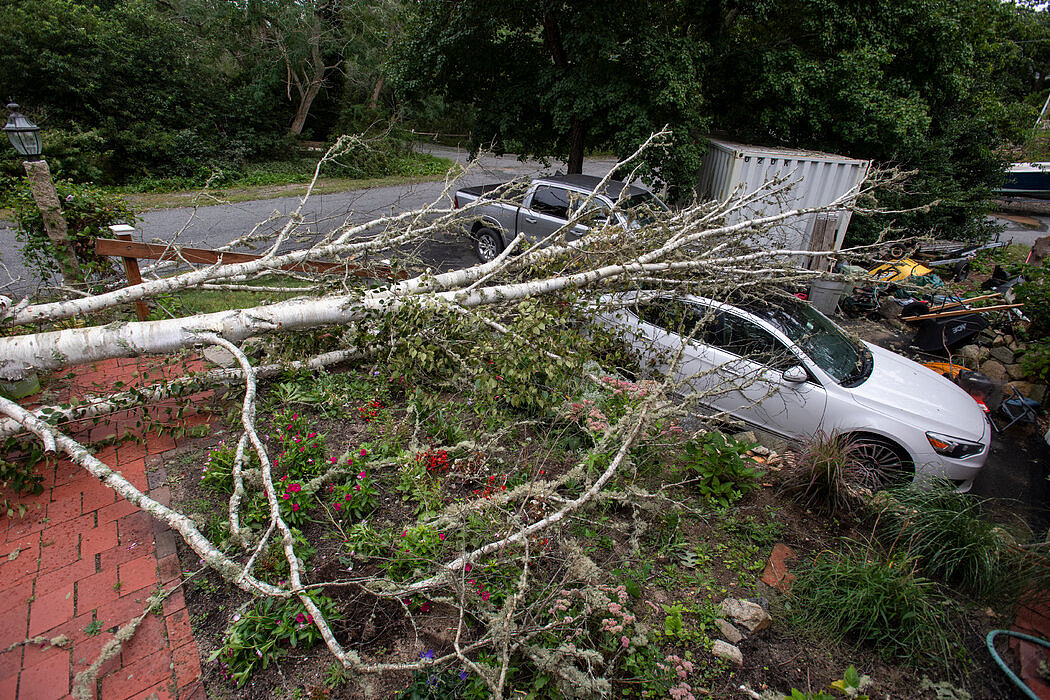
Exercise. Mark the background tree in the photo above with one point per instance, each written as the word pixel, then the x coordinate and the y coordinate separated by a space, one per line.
pixel 938 87
pixel 551 78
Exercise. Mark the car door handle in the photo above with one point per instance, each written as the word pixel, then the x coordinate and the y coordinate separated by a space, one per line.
pixel 531 220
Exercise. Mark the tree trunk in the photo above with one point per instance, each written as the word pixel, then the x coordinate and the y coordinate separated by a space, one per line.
pixel 305 101
pixel 313 75
pixel 51 211
pixel 552 38
pixel 576 133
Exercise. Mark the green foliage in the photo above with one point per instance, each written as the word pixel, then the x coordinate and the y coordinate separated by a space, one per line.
pixel 414 549
pixel 1036 360
pixel 302 451
pixel 260 635
pixel 721 474
pixel 827 474
pixel 19 460
pixel 935 87
pixel 434 684
pixel 88 212
pixel 355 499
pixel 217 474
pixel 883 604
pixel 945 533
pixel 609 75
pixel 850 685
pixel 1034 293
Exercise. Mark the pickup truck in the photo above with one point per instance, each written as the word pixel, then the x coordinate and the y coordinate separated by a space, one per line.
pixel 545 205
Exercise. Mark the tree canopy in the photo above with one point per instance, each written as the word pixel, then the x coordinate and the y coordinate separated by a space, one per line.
pixel 935 86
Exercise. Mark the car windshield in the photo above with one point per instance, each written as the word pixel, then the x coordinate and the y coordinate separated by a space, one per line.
pixel 846 360
pixel 641 208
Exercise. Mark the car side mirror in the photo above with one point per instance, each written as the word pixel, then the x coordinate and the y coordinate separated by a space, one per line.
pixel 796 374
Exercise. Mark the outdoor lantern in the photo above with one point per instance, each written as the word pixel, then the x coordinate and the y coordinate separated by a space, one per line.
pixel 24 134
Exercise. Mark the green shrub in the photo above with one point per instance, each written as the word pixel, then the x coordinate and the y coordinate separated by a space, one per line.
pixel 259 635
pixel 721 474
pixel 88 212
pixel 945 533
pixel 1034 293
pixel 827 475
pixel 853 595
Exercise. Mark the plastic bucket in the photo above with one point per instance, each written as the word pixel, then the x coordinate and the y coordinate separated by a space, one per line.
pixel 825 295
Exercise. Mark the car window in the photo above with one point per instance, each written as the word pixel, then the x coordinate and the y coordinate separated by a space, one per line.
pixel 673 316
pixel 552 201
pixel 597 210
pixel 742 337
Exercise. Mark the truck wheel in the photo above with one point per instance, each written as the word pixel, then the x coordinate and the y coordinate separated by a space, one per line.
pixel 487 244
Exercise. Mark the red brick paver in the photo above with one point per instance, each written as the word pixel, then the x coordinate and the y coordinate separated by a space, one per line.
pixel 81 553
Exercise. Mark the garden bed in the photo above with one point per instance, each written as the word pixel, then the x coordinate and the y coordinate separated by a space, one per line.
pixel 665 548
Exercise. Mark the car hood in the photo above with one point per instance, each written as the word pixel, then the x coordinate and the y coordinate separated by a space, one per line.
pixel 918 395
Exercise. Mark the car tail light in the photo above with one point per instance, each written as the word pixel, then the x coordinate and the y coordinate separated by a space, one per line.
pixel 455 201
pixel 982 404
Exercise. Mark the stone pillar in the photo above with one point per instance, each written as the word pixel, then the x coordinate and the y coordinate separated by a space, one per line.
pixel 47 202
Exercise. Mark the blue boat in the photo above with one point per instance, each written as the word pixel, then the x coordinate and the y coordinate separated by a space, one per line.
pixel 1027 180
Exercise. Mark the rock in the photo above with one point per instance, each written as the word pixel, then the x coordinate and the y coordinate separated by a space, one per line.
pixel 983 354
pixel 776 574
pixel 888 308
pixel 760 451
pixel 969 352
pixel 1024 387
pixel 1038 392
pixel 747 436
pixel 219 356
pixel 995 371
pixel 254 346
pixel 747 614
pixel 1015 371
pixel 1003 354
pixel 731 634
pixel 1017 347
pixel 725 650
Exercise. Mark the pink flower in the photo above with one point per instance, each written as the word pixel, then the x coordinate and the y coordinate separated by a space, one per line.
pixel 404 533
pixel 441 536
pixel 485 595
pixel 348 497
pixel 338 506
pixel 294 416
pixel 350 461
pixel 361 475
pixel 625 641
pixel 295 507
pixel 364 452
pixel 332 460
pixel 300 618
pixel 311 435
pixel 286 496
pixel 357 487
pixel 295 488
pixel 467 568
pixel 309 617
pixel 425 607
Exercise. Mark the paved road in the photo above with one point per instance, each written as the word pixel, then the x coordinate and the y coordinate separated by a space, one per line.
pixel 212 226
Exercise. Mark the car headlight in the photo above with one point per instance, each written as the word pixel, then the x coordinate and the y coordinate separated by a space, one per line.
pixel 953 447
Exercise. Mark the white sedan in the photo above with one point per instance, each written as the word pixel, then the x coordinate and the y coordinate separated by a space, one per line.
pixel 787 369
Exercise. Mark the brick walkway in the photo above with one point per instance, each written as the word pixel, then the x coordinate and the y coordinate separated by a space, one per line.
pixel 81 554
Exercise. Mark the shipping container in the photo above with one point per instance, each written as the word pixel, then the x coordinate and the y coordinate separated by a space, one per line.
pixel 734 169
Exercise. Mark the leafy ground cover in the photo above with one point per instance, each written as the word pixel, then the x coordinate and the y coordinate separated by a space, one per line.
pixel 621 599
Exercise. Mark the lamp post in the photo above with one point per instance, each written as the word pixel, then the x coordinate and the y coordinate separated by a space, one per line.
pixel 25 137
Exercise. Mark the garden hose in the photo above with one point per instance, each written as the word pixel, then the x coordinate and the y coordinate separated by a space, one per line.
pixel 990 641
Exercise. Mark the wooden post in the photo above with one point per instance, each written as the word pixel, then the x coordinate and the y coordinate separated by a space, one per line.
pixel 131 268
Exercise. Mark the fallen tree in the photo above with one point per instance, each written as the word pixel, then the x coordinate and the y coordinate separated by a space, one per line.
pixel 504 306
